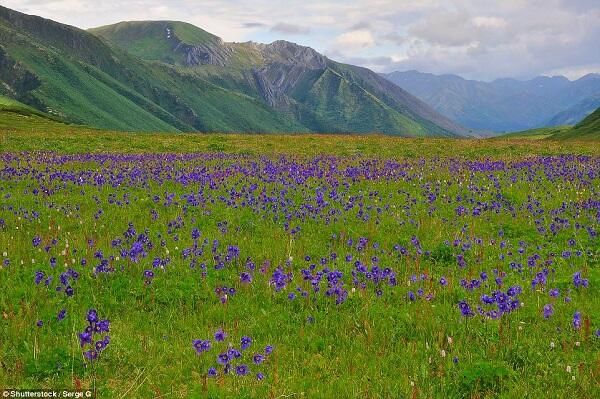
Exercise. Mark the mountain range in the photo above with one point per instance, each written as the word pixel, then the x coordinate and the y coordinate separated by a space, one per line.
pixel 173 76
pixel 504 104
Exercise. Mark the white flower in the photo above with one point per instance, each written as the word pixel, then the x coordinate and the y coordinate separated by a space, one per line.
pixel 577 343
pixel 443 353
pixel 568 369
pixel 449 340
pixel 5 254
pixel 552 345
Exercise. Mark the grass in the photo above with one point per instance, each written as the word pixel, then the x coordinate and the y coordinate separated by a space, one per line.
pixel 241 190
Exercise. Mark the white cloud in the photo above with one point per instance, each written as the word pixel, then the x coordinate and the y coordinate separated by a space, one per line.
pixel 354 39
pixel 481 39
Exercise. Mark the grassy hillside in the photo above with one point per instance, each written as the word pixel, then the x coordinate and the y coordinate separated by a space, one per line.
pixel 315 92
pixel 74 74
pixel 587 129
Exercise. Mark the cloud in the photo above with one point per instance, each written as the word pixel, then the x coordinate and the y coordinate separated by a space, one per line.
pixel 251 25
pixel 354 39
pixel 478 39
pixel 290 29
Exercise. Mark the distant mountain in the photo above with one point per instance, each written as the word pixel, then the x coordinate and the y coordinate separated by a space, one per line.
pixel 575 113
pixel 173 76
pixel 587 129
pixel 503 104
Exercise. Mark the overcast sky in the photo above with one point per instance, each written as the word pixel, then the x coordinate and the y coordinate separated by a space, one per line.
pixel 477 39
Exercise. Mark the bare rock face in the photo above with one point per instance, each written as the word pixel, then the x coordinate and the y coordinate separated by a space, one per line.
pixel 213 53
pixel 286 64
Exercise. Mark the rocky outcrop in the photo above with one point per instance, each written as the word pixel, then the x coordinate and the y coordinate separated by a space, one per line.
pixel 213 53
pixel 286 65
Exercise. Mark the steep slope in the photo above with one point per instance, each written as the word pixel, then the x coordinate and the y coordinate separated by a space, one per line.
pixel 575 113
pixel 587 129
pixel 294 80
pixel 501 105
pixel 72 73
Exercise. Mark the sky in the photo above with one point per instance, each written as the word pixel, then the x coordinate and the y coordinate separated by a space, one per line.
pixel 475 39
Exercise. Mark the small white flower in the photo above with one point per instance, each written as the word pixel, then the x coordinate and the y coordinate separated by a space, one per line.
pixel 443 353
pixel 5 254
pixel 577 343
pixel 568 369
pixel 450 341
pixel 552 345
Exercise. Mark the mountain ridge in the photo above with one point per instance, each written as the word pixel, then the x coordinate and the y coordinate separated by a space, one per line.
pixel 197 82
pixel 504 104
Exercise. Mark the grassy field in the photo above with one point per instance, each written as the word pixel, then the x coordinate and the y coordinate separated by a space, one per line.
pixel 375 267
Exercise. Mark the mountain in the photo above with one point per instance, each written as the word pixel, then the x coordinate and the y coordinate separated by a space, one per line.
pixel 575 113
pixel 587 129
pixel 503 104
pixel 173 76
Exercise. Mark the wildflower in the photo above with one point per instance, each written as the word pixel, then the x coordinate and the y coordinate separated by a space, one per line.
pixel 548 310
pixel 245 342
pixel 268 349
pixel 220 335
pixel 577 320
pixel 465 309
pixel 258 358
pixel 260 376
pixel 201 345
pixel 242 369
pixel 212 372
pixel 578 281
pixel 61 315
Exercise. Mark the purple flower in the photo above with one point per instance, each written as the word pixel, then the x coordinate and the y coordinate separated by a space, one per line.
pixel 85 338
pixel 201 345
pixel 578 281
pixel 36 241
pixel 220 335
pixel 268 350
pixel 260 376
pixel 242 369
pixel 548 310
pixel 577 320
pixel 61 315
pixel 92 316
pixel 39 323
pixel 222 358
pixel 258 358
pixel 246 341
pixel 212 372
pixel 245 277
pixel 465 309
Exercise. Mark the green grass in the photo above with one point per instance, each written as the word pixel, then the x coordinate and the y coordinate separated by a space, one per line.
pixel 586 130
pixel 366 347
pixel 535 134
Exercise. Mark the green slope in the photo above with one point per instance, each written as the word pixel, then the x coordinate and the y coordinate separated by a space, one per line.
pixel 76 75
pixel 18 117
pixel 315 92
pixel 587 129
pixel 172 76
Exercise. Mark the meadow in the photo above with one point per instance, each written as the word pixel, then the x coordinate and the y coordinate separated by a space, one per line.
pixel 225 266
